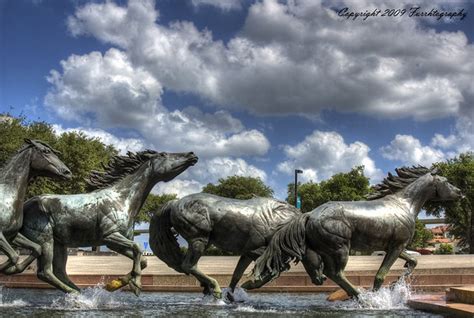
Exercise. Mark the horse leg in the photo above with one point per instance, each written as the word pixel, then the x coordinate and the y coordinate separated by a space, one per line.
pixel 21 241
pixel 45 268
pixel 410 264
pixel 242 265
pixel 59 265
pixel 314 266
pixel 334 269
pixel 387 262
pixel 9 251
pixel 124 280
pixel 253 284
pixel 195 250
pixel 119 240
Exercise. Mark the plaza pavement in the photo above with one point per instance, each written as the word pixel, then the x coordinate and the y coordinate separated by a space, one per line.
pixel 433 273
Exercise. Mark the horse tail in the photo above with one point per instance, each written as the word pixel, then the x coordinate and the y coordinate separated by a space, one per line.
pixel 287 244
pixel 163 240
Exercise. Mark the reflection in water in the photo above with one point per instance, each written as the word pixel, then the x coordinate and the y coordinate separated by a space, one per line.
pixel 96 302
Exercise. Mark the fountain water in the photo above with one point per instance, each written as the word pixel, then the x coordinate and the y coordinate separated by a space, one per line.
pixel 97 302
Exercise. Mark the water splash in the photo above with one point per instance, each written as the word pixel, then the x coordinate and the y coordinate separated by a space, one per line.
pixel 240 295
pixel 251 309
pixel 90 298
pixel 395 296
pixel 210 300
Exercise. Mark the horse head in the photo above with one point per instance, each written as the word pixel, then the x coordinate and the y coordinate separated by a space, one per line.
pixel 443 190
pixel 167 166
pixel 45 161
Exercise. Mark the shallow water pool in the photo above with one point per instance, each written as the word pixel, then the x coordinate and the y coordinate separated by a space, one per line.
pixel 96 302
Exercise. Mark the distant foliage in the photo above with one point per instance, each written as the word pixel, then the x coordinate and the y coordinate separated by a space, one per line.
pixel 421 236
pixel 459 214
pixel 238 187
pixel 152 204
pixel 79 152
pixel 215 251
pixel 351 186
pixel 444 248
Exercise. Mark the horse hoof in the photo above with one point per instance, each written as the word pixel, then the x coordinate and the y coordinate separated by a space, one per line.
pixel 135 287
pixel 230 297
pixel 338 295
pixel 114 285
pixel 217 294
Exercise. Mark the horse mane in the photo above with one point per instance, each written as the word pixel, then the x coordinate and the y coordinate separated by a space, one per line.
pixel 118 168
pixel 393 184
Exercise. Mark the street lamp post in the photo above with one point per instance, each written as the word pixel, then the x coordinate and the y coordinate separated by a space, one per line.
pixel 296 185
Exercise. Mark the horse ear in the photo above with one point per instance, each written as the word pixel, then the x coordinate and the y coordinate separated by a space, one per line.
pixel 27 140
pixel 434 171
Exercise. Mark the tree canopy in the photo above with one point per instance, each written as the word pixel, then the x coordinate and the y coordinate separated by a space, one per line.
pixel 152 204
pixel 238 187
pixel 421 237
pixel 459 214
pixel 79 152
pixel 350 186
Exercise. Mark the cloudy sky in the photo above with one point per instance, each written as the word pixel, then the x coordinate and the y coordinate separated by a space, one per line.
pixel 255 88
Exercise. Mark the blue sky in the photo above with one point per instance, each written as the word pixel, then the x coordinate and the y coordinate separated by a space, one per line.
pixel 255 88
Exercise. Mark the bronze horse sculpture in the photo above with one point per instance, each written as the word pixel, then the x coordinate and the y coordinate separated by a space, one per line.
pixel 34 158
pixel 244 227
pixel 385 222
pixel 102 217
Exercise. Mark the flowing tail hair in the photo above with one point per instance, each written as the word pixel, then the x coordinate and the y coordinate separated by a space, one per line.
pixel 163 240
pixel 287 244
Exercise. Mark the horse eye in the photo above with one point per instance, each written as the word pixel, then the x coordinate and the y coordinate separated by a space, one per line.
pixel 46 151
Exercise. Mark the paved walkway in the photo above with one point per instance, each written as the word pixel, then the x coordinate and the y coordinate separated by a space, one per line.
pixel 116 265
pixel 226 264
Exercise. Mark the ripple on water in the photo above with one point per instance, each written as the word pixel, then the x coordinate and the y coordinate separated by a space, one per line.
pixel 98 302
pixel 13 303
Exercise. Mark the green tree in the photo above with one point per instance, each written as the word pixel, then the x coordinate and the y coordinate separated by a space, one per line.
pixel 80 153
pixel 14 130
pixel 444 248
pixel 459 214
pixel 152 204
pixel 350 186
pixel 421 237
pixel 238 187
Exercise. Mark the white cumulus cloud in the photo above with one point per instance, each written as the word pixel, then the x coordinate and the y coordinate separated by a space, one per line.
pixel 121 144
pixel 297 57
pixel 410 151
pixel 108 91
pixel 323 154
pixel 209 171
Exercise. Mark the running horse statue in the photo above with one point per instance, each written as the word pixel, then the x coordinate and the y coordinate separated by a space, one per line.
pixel 35 158
pixel 244 227
pixel 102 217
pixel 385 222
